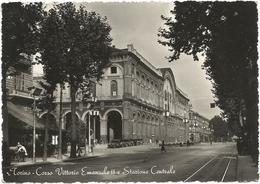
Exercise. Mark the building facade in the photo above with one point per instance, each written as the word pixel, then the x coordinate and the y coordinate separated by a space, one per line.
pixel 20 99
pixel 199 130
pixel 135 100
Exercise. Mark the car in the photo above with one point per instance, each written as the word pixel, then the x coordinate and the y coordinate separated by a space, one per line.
pixel 115 143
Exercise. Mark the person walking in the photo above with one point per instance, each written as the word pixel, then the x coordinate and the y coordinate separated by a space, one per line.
pixel 163 147
pixel 79 151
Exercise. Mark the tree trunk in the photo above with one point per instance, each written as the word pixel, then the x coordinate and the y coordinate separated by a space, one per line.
pixel 60 124
pixel 73 122
pixel 252 121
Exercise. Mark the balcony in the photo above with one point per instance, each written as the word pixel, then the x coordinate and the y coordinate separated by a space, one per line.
pixel 22 94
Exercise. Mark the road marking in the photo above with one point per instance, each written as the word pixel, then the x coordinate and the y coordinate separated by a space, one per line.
pixel 226 170
pixel 200 169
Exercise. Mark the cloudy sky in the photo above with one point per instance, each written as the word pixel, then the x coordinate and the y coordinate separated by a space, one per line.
pixel 138 23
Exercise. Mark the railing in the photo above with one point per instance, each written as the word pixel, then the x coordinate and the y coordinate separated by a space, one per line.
pixel 20 93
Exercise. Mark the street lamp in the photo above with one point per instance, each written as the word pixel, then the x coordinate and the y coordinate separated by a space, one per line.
pixel 166 114
pixel 133 132
pixel 93 99
pixel 185 121
pixel 34 92
pixel 95 113
pixel 196 125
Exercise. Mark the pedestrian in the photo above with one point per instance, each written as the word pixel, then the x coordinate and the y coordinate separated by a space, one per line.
pixel 163 147
pixel 79 151
pixel 188 143
pixel 21 152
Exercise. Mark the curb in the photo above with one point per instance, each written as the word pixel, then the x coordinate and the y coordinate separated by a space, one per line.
pixel 49 163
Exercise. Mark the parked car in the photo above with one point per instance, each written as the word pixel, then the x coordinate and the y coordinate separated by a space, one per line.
pixel 124 143
pixel 116 143
pixel 139 142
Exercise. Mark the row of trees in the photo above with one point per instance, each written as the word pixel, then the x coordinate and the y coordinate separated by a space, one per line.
pixel 220 128
pixel 225 33
pixel 72 44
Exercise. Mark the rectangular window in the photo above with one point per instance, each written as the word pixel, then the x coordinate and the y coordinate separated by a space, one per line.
pixel 133 69
pixel 22 83
pixel 54 140
pixel 113 69
pixel 114 93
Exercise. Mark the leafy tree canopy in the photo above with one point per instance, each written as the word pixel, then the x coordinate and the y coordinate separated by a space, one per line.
pixel 219 126
pixel 75 43
pixel 19 31
pixel 74 47
pixel 226 34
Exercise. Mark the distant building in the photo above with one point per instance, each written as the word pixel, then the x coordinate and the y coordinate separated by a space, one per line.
pixel 199 130
pixel 134 100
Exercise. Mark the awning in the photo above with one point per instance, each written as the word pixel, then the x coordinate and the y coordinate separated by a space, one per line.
pixel 24 116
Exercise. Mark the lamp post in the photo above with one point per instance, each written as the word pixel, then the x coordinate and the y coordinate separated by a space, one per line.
pixel 195 126
pixel 34 92
pixel 34 130
pixel 96 113
pixel 133 133
pixel 185 121
pixel 166 114
pixel 93 99
pixel 89 137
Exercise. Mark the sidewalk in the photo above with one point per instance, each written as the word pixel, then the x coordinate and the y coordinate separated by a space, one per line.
pixel 52 159
pixel 99 150
pixel 246 169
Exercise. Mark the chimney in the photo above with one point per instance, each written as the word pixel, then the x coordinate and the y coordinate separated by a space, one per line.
pixel 130 47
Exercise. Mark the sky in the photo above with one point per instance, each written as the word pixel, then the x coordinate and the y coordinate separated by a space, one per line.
pixel 138 24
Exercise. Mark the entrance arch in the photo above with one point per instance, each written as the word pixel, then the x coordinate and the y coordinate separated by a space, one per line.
pixel 114 125
pixel 52 121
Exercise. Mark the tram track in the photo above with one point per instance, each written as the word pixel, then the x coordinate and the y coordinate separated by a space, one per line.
pixel 215 169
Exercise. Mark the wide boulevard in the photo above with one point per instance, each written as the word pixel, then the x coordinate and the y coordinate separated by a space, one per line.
pixel 201 162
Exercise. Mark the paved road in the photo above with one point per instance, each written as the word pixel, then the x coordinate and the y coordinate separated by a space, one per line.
pixel 195 163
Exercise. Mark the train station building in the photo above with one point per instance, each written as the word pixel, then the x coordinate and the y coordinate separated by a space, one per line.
pixel 135 100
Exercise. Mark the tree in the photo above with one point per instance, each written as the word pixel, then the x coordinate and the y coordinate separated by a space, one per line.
pixel 19 37
pixel 220 127
pixel 226 34
pixel 78 43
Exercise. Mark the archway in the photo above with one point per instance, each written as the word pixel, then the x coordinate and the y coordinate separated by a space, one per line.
pixel 114 126
pixel 52 121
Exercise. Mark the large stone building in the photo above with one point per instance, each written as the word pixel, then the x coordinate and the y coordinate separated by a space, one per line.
pixel 199 130
pixel 134 100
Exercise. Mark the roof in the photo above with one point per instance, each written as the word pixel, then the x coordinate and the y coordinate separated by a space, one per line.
pixel 182 93
pixel 26 117
pixel 136 55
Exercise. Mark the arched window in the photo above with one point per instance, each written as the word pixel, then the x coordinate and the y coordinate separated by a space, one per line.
pixel 113 88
